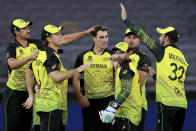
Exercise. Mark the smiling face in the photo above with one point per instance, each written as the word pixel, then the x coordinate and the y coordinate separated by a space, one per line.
pixel 101 39
pixel 132 40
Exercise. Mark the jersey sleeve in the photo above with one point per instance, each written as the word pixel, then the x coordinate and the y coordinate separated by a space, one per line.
pixel 52 63
pixel 38 43
pixel 79 60
pixel 11 50
pixel 154 46
pixel 143 63
pixel 126 75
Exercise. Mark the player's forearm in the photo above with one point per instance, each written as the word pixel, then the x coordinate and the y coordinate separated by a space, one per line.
pixel 76 85
pixel 69 38
pixel 30 82
pixel 125 91
pixel 151 44
pixel 14 63
pixel 122 96
pixel 59 76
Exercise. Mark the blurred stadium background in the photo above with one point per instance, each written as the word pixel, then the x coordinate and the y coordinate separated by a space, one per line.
pixel 78 15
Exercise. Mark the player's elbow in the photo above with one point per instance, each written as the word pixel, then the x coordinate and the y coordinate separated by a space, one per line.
pixel 55 77
pixel 12 66
pixel 142 82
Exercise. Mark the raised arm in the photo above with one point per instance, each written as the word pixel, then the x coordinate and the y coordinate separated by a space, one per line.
pixel 69 38
pixel 154 46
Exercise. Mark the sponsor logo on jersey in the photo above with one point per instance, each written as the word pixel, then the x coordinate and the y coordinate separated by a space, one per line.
pixel 106 59
pixel 89 58
pixel 33 49
pixel 21 52
pixel 98 66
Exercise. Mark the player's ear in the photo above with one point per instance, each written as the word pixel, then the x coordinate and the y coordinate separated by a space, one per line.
pixel 16 31
pixel 48 39
pixel 166 39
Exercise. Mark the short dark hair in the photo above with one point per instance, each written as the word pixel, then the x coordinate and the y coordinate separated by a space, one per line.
pixel 130 33
pixel 173 36
pixel 98 28
pixel 12 29
pixel 45 42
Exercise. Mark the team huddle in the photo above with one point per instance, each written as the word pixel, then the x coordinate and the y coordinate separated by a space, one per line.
pixel 114 97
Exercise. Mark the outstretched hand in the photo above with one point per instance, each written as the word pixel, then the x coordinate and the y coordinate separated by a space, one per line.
pixel 83 67
pixel 123 12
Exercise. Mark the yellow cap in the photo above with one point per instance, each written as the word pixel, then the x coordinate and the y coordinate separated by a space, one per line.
pixel 128 31
pixel 49 30
pixel 52 29
pixel 121 46
pixel 169 31
pixel 19 23
pixel 166 30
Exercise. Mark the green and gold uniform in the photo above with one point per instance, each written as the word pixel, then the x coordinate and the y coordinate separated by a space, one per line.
pixel 171 71
pixel 141 61
pixel 16 80
pixel 16 116
pixel 98 86
pixel 51 101
pixel 127 78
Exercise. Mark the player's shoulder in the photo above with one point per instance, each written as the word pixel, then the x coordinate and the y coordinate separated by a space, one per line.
pixel 125 68
pixel 37 42
pixel 83 52
pixel 13 44
pixel 125 65
pixel 142 54
pixel 49 51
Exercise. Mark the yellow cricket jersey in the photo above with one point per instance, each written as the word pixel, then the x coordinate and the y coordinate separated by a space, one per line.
pixel 16 77
pixel 141 62
pixel 171 69
pixel 171 72
pixel 131 107
pixel 52 95
pixel 98 79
